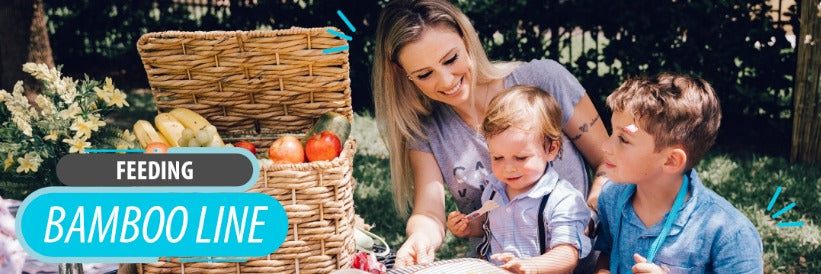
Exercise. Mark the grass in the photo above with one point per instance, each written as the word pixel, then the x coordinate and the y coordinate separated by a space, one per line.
pixel 748 182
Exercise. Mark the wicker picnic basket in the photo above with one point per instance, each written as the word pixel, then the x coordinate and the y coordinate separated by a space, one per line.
pixel 256 86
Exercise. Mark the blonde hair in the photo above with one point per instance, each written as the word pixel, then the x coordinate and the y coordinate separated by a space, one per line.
pixel 674 109
pixel 527 108
pixel 399 104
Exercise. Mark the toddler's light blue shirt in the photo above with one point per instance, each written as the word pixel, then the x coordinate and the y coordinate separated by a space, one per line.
pixel 709 235
pixel 514 226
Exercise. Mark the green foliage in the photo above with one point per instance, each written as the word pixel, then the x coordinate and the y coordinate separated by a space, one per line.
pixel 749 183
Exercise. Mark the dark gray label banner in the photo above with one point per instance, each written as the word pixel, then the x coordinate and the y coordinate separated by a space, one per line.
pixel 163 169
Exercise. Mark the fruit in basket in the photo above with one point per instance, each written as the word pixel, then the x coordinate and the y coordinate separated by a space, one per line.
pixel 156 147
pixel 146 133
pixel 189 118
pixel 196 123
pixel 170 127
pixel 247 145
pixel 286 149
pixel 333 122
pixel 324 146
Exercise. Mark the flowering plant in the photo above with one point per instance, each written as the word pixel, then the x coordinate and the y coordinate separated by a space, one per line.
pixel 68 116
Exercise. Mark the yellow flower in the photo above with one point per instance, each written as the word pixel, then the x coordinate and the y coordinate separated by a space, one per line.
pixel 82 127
pixel 9 161
pixel 94 122
pixel 121 145
pixel 117 98
pixel 78 144
pixel 109 85
pixel 29 163
pixel 52 135
pixel 128 137
pixel 102 94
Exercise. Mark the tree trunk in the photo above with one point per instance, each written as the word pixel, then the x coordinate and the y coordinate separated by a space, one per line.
pixel 806 139
pixel 23 38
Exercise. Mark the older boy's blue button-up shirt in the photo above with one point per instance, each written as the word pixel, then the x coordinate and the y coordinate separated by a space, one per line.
pixel 709 235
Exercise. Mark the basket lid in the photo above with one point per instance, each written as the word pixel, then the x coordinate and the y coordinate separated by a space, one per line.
pixel 249 82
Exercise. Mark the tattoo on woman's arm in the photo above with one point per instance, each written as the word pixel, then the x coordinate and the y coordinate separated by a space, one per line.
pixel 585 128
pixel 601 173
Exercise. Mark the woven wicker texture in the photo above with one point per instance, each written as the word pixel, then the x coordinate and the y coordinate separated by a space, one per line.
pixel 259 81
pixel 254 86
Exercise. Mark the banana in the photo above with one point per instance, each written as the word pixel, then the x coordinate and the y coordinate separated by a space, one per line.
pixel 189 118
pixel 195 122
pixel 170 128
pixel 146 133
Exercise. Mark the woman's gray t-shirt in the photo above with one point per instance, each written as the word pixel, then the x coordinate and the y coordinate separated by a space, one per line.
pixel 462 153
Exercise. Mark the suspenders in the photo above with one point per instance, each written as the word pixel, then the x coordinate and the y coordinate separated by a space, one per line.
pixel 484 246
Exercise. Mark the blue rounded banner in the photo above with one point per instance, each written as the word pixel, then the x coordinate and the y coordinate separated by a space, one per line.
pixel 55 225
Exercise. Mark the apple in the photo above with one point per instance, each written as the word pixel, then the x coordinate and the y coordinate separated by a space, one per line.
pixel 156 147
pixel 323 146
pixel 247 145
pixel 286 149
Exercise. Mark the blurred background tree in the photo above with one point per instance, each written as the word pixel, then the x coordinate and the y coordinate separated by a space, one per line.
pixel 23 38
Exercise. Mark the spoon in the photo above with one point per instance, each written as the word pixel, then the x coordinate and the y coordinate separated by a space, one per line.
pixel 487 206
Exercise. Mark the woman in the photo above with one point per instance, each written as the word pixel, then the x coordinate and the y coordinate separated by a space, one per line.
pixel 432 82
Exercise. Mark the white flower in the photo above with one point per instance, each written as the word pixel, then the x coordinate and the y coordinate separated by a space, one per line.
pixel 45 104
pixel 77 144
pixel 29 163
pixel 72 111
pixel 42 72
pixel 23 125
pixel 67 89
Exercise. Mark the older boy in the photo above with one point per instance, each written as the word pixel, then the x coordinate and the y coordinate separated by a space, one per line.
pixel 659 217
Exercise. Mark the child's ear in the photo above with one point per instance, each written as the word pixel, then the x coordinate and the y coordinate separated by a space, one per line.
pixel 676 160
pixel 551 148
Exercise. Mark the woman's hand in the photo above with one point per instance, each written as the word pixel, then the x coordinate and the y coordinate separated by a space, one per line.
pixel 417 250
pixel 426 226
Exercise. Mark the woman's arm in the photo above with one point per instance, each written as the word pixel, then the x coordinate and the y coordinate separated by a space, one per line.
pixel 587 132
pixel 426 226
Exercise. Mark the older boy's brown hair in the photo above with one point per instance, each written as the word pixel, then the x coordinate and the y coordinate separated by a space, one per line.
pixel 675 109
pixel 526 108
